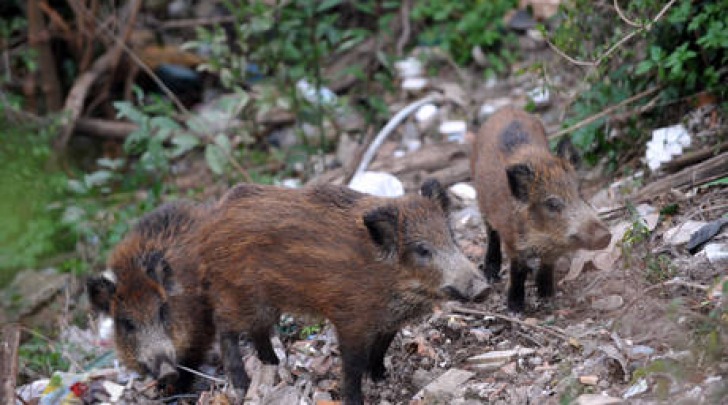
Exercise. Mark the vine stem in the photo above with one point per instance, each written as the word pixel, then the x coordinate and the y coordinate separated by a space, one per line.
pixel 604 112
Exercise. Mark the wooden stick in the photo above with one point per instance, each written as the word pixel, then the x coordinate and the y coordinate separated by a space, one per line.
pixel 9 362
pixel 604 112
pixel 694 157
pixel 553 331
pixel 104 128
pixel 692 176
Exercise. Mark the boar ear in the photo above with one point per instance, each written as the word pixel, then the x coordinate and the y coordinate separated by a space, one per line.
pixel 565 149
pixel 520 177
pixel 159 270
pixel 433 190
pixel 382 226
pixel 100 289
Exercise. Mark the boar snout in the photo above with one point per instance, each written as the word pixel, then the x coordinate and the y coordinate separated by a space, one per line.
pixel 168 374
pixel 464 282
pixel 592 236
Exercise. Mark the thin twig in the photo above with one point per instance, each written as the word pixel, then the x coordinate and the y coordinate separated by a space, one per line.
pixel 624 17
pixel 196 22
pixel 674 281
pixel 604 112
pixel 405 36
pixel 598 61
pixel 553 331
pixel 201 374
pixel 167 92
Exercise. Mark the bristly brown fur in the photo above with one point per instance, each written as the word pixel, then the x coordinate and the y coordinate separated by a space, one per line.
pixel 530 201
pixel 329 251
pixel 145 282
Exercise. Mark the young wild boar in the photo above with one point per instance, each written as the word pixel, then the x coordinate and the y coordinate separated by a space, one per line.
pixel 530 202
pixel 366 263
pixel 159 321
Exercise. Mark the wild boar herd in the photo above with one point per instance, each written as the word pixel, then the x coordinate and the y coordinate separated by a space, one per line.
pixel 189 273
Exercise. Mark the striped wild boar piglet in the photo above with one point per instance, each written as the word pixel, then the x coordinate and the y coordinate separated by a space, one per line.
pixel 530 202
pixel 368 264
pixel 159 318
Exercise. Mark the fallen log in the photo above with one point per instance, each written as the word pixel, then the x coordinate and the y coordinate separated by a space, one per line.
pixel 105 128
pixel 9 343
pixel 701 173
pixel 694 157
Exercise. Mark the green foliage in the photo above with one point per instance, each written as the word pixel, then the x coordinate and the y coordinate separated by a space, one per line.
pixel 29 226
pixel 41 356
pixel 459 26
pixel 288 45
pixel 685 52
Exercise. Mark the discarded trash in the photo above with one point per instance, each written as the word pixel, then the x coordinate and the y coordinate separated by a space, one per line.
pixel 665 144
pixel 410 67
pixel 704 234
pixel 309 92
pixel 414 84
pixel 463 191
pixel 638 388
pixel 426 114
pixel 454 130
pixel 491 106
pixel 540 96
pixel 717 254
pixel 377 183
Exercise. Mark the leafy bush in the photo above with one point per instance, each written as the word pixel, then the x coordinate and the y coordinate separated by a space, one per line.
pixel 29 226
pixel 684 53
pixel 459 26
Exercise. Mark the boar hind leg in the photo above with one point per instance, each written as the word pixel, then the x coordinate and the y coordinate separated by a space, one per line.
pixel 233 362
pixel 376 356
pixel 545 281
pixel 516 288
pixel 260 335
pixel 493 257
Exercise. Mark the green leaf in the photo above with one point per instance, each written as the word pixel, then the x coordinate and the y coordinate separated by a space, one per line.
pixel 720 182
pixel 97 178
pixel 77 186
pixel 124 109
pixel 183 143
pixel 112 164
pixel 223 142
pixel 644 67
pixel 215 158
pixel 327 4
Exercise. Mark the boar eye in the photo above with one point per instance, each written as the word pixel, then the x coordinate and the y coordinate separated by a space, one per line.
pixel 423 251
pixel 126 324
pixel 554 204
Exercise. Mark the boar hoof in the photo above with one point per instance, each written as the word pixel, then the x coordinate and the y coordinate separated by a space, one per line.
pixel 492 274
pixel 378 373
pixel 479 290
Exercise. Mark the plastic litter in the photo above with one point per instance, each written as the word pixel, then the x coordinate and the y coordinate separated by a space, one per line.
pixel 377 183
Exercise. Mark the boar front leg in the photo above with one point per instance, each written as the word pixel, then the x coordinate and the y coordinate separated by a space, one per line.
pixel 493 256
pixel 355 355
pixel 376 356
pixel 233 363
pixel 545 280
pixel 516 289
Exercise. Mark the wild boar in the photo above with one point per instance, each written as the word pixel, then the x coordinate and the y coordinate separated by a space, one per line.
pixel 366 263
pixel 530 202
pixel 159 319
